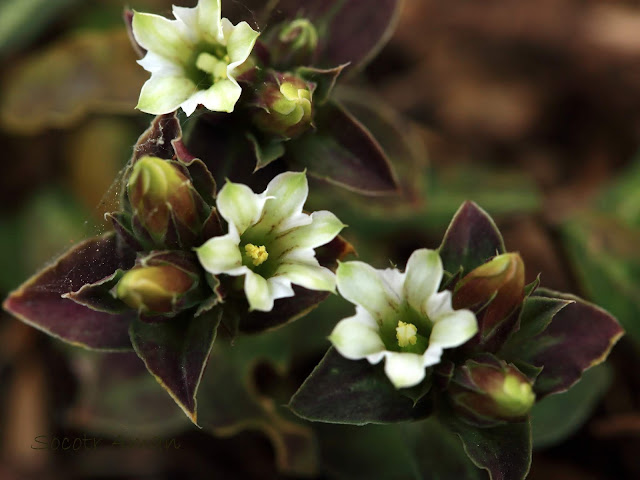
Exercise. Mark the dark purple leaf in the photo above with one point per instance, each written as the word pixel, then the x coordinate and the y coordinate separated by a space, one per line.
pixel 156 140
pixel 324 79
pixel 579 336
pixel 353 392
pixel 220 141
pixel 39 302
pixel 122 225
pixel 342 151
pixel 97 295
pixel 127 16
pixel 471 239
pixel 504 451
pixel 176 353
pixel 348 30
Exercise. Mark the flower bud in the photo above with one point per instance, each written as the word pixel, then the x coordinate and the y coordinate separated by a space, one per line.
pixel 497 285
pixel 284 106
pixel 490 391
pixel 294 44
pixel 154 289
pixel 157 190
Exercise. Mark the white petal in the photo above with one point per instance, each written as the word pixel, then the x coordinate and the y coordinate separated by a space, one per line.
pixel 280 287
pixel 363 285
pixel 357 337
pixel 240 43
pixel 404 369
pixel 161 95
pixel 209 20
pixel 289 191
pixel 454 329
pixel 222 96
pixel 308 275
pixel 162 36
pixel 432 355
pixel 424 274
pixel 323 228
pixel 189 18
pixel 154 63
pixel 239 206
pixel 258 292
pixel 438 305
pixel 394 279
pixel 220 254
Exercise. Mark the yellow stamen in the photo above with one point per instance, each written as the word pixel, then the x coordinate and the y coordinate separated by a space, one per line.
pixel 258 255
pixel 406 334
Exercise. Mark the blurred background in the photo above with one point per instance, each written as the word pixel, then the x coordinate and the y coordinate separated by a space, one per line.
pixel 530 109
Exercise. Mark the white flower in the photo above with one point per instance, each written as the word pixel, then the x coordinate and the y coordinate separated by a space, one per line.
pixel 193 59
pixel 400 317
pixel 270 241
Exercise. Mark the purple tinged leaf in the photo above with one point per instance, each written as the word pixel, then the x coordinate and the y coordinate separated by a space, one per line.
pixel 121 222
pixel 127 16
pixel 175 353
pixel 504 451
pixel 39 302
pixel 348 30
pixel 285 310
pixel 579 336
pixel 471 239
pixel 156 141
pixel 324 79
pixel 267 151
pixel 97 295
pixel 353 392
pixel 343 152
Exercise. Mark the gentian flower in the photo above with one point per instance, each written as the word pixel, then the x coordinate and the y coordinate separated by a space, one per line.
pixel 271 241
pixel 193 59
pixel 400 317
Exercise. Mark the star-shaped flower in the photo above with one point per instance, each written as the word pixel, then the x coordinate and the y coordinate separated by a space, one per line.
pixel 193 59
pixel 271 241
pixel 400 317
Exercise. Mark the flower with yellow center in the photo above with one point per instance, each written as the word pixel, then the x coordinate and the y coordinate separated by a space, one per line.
pixel 271 241
pixel 400 316
pixel 193 60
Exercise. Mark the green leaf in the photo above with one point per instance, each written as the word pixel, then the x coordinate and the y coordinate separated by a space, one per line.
pixel 352 392
pixel 556 417
pixel 230 401
pixel 22 20
pixel 537 313
pixel 504 451
pixel 605 256
pixel 118 397
pixel 176 352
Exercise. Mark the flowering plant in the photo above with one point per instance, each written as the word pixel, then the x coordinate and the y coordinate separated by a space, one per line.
pixel 190 270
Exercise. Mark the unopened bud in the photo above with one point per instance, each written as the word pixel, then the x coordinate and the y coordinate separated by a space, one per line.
pixel 157 189
pixel 294 44
pixel 284 106
pixel 154 289
pixel 497 285
pixel 491 391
